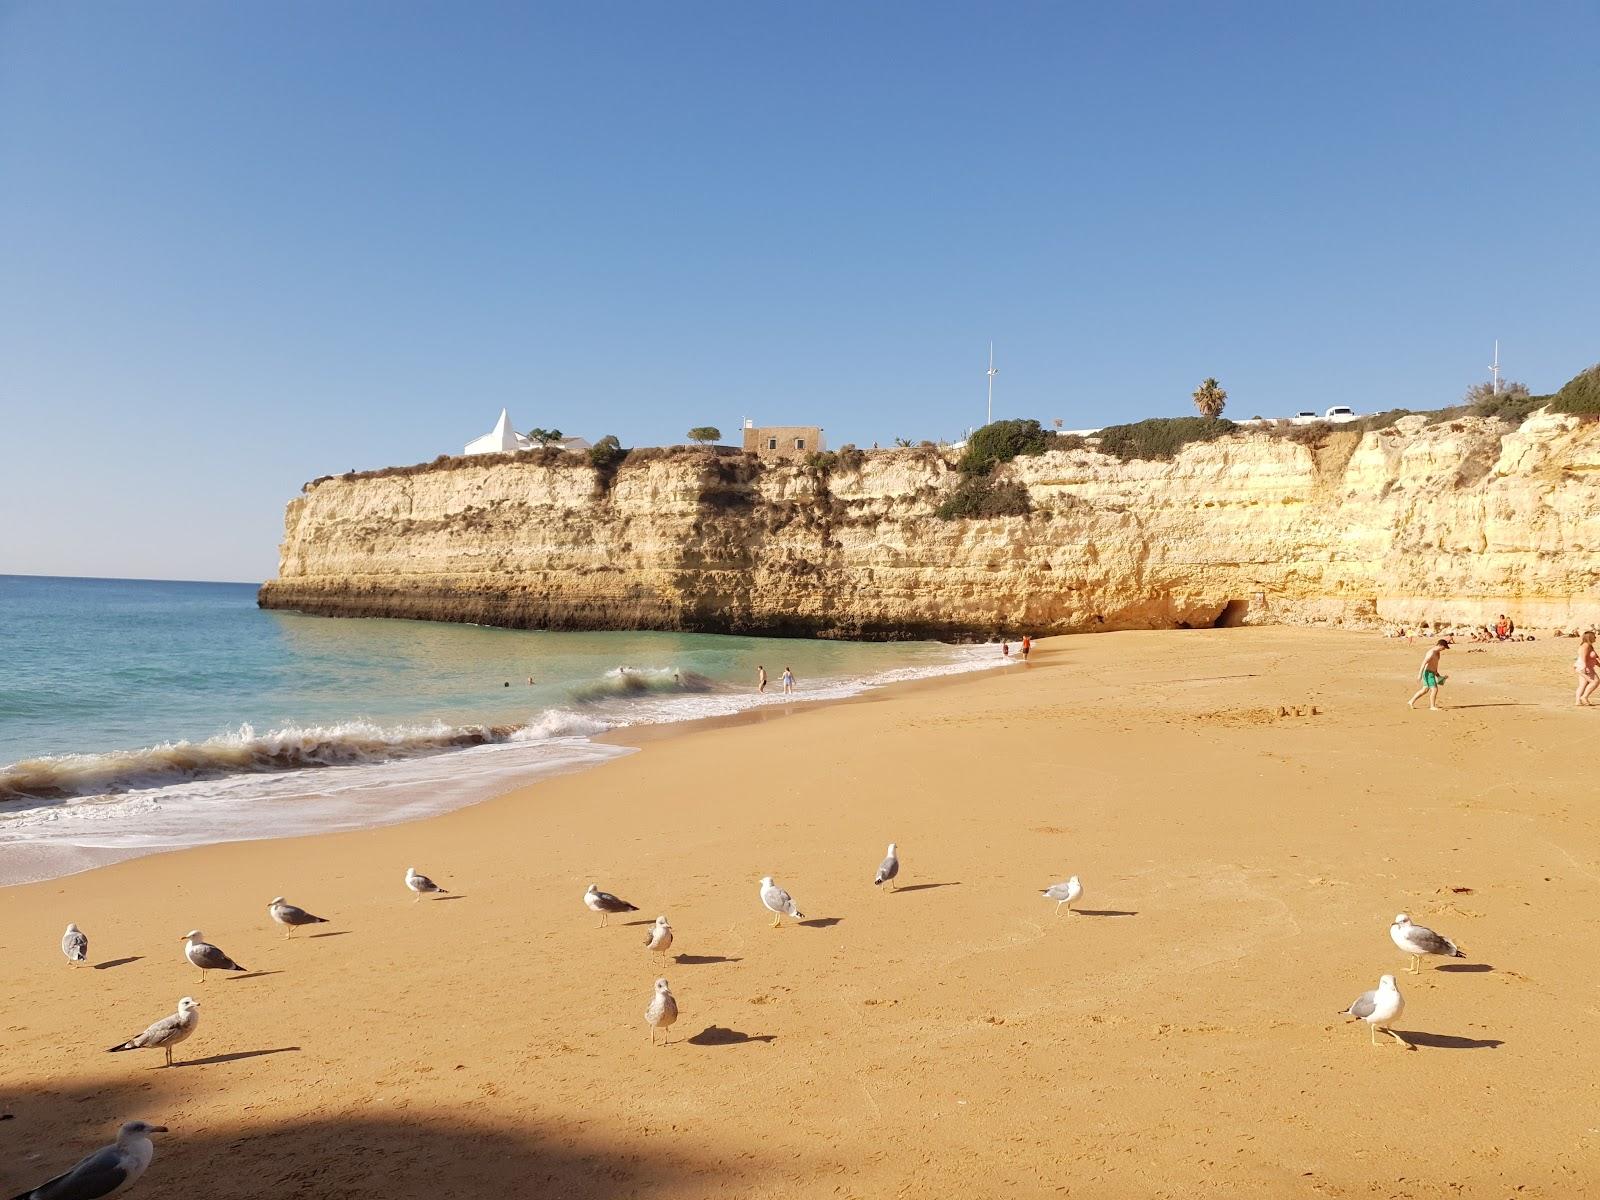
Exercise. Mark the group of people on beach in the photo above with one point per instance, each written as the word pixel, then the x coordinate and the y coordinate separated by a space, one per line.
pixel 1025 649
pixel 1586 664
pixel 761 680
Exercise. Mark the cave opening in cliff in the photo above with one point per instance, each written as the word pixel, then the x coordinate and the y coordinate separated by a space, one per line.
pixel 1232 615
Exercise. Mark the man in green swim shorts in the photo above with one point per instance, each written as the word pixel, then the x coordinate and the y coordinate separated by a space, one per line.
pixel 1432 681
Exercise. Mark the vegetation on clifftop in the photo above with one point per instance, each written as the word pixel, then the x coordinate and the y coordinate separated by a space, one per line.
pixel 1160 438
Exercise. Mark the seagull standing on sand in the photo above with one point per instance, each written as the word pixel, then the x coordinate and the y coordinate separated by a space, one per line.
pixel 1379 1007
pixel 421 883
pixel 663 1011
pixel 75 945
pixel 206 956
pixel 888 869
pixel 605 903
pixel 1417 940
pixel 288 914
pixel 108 1170
pixel 1063 893
pixel 167 1032
pixel 660 936
pixel 779 901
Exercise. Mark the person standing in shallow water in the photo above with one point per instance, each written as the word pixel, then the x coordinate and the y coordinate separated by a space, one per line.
pixel 761 679
pixel 1027 646
pixel 1587 665
pixel 788 681
pixel 1432 681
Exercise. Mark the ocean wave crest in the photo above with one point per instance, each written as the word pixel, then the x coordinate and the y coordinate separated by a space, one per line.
pixel 244 751
pixel 626 682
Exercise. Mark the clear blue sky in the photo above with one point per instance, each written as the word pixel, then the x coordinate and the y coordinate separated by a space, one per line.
pixel 242 245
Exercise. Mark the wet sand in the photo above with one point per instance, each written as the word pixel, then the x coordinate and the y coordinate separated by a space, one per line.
pixel 1248 810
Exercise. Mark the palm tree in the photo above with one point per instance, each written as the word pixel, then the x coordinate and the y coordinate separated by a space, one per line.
pixel 1210 399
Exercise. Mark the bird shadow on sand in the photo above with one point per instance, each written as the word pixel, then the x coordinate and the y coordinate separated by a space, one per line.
pixel 1449 1041
pixel 925 887
pixel 237 1055
pixel 625 924
pixel 331 933
pixel 1105 912
pixel 1465 968
pixel 717 1035
pixel 702 960
pixel 117 962
pixel 253 975
pixel 820 922
pixel 451 896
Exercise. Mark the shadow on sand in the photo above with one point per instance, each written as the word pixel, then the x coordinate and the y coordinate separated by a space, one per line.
pixel 117 962
pixel 926 887
pixel 332 933
pixel 236 1056
pixel 1448 1041
pixel 1464 968
pixel 820 922
pixel 1105 912
pixel 702 960
pixel 717 1035
pixel 229 1152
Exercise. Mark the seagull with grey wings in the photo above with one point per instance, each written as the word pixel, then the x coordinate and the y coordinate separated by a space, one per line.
pixel 420 884
pixel 167 1032
pixel 1063 893
pixel 75 945
pixel 659 938
pixel 663 1011
pixel 1417 940
pixel 605 903
pixel 291 916
pixel 206 956
pixel 1378 1008
pixel 779 902
pixel 109 1170
pixel 889 868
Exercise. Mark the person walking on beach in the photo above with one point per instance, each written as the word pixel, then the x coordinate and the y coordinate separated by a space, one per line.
pixel 1587 665
pixel 1432 681
pixel 1027 645
pixel 788 681
pixel 761 679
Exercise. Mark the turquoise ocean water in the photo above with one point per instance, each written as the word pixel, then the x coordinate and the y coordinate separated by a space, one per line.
pixel 139 716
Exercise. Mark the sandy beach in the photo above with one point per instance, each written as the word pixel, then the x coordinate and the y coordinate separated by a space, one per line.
pixel 1248 810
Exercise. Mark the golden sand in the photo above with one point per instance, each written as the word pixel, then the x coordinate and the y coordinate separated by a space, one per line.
pixel 1248 810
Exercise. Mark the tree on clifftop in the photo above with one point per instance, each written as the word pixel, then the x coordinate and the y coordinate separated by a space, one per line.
pixel 545 437
pixel 1210 399
pixel 701 434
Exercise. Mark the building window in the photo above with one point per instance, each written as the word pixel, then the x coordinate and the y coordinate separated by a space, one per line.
pixel 799 443
pixel 772 443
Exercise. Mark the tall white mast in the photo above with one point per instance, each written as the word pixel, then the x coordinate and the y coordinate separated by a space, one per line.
pixel 1494 369
pixel 992 374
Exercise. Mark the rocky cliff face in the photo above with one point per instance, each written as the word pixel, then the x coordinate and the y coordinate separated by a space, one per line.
pixel 1454 522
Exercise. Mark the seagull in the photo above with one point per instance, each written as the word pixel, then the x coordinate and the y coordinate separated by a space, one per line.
pixel 660 935
pixel 663 1011
pixel 288 914
pixel 779 901
pixel 75 945
pixel 168 1031
pixel 888 869
pixel 109 1169
pixel 1378 1008
pixel 605 903
pixel 1417 940
pixel 1063 893
pixel 206 956
pixel 421 883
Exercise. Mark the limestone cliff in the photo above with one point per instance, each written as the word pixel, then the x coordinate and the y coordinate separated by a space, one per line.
pixel 1451 522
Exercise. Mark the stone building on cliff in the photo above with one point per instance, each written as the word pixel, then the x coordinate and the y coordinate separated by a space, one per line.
pixel 783 441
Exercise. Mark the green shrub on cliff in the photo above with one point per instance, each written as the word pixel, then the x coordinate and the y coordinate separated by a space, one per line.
pixel 980 496
pixel 607 452
pixel 1161 437
pixel 1580 395
pixel 1000 442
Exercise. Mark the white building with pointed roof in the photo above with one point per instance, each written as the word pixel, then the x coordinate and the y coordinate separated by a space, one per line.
pixel 503 439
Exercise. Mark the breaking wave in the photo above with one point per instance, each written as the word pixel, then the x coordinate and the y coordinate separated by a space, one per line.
pixel 244 752
pixel 625 682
